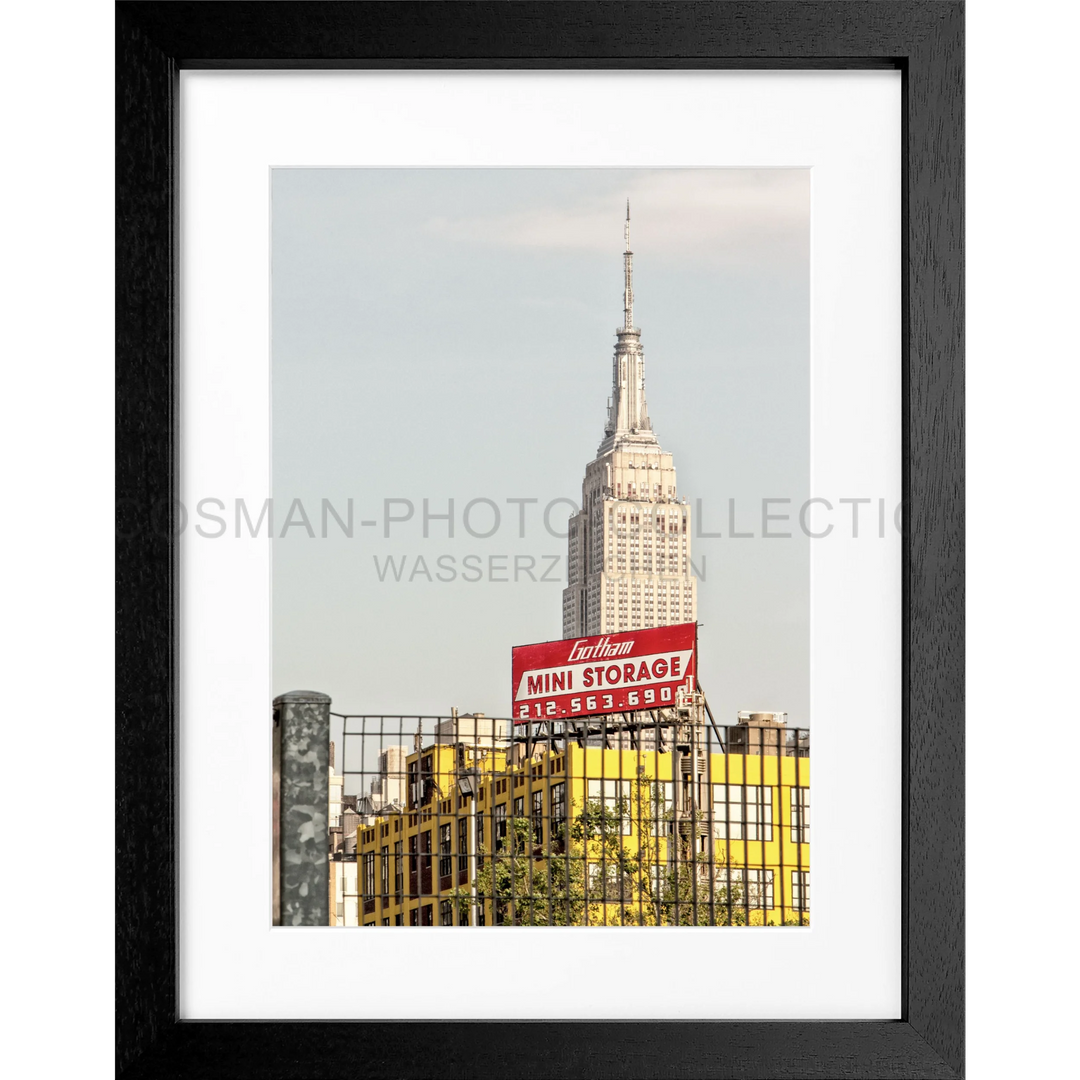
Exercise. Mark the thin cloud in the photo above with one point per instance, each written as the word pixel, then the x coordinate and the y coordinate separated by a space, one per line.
pixel 696 213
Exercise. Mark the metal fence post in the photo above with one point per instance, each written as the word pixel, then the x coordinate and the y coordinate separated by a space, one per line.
pixel 302 794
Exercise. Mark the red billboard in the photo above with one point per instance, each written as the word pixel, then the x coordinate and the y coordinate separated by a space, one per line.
pixel 640 669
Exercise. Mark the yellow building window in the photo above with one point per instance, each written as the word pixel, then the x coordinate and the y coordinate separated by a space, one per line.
pixel 800 815
pixel 742 812
pixel 614 797
pixel 800 890
pixel 745 888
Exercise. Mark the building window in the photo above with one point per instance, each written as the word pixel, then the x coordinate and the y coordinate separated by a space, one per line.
pixel 425 863
pixel 605 882
pixel 500 826
pixel 594 880
pixel 386 921
pixel 369 875
pixel 480 818
pixel 519 806
pixel 662 809
pixel 800 890
pixel 800 815
pixel 614 796
pixel 384 869
pixel 399 919
pixel 414 917
pixel 421 782
pixel 427 915
pixel 463 843
pixel 398 871
pixel 741 812
pixel 558 806
pixel 745 888
pixel 538 816
pixel 446 913
pixel 413 771
pixel 446 863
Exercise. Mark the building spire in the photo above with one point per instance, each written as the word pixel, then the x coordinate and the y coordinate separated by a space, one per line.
pixel 628 415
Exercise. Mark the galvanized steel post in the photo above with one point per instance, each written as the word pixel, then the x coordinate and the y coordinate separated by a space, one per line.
pixel 302 798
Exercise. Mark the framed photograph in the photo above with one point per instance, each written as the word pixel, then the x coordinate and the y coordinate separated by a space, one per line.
pixel 540 443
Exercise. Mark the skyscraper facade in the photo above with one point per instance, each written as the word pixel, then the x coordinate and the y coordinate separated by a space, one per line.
pixel 629 545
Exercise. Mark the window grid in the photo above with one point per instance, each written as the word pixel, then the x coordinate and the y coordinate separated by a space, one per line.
pixel 800 815
pixel 742 812
pixel 746 888
pixel 800 890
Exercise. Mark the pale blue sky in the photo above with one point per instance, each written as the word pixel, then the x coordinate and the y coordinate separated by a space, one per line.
pixel 448 334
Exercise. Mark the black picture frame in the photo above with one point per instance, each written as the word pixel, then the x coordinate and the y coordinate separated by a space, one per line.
pixel 924 39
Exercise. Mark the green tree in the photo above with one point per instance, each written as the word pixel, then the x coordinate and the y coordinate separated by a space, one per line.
pixel 627 863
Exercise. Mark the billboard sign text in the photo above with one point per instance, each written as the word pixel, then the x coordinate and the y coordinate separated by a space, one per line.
pixel 641 669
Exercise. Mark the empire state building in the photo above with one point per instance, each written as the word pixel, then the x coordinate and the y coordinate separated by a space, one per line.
pixel 629 545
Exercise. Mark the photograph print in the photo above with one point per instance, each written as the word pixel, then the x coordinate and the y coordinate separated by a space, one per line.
pixel 540 609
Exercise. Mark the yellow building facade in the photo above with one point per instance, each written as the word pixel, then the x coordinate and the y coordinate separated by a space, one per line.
pixel 556 833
